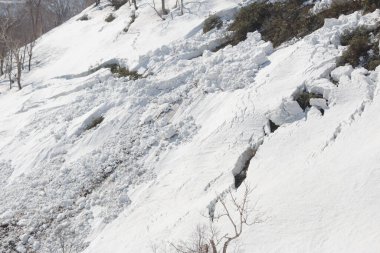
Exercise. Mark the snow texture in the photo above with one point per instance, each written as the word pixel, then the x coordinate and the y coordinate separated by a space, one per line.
pixel 170 141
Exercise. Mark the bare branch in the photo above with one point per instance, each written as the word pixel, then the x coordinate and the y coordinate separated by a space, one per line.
pixel 236 211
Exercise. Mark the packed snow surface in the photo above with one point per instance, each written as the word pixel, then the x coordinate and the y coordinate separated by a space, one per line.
pixel 109 164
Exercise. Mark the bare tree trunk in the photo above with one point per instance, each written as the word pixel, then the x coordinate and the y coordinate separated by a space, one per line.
pixel 213 246
pixel 30 54
pixel 1 66
pixel 153 5
pixel 181 6
pixel 30 62
pixel 9 69
pixel 135 4
pixel 23 57
pixel 164 12
pixel 18 58
pixel 19 68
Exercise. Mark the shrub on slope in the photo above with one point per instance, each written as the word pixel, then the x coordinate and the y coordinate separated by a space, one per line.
pixel 118 3
pixel 110 18
pixel 363 48
pixel 281 21
pixel 212 22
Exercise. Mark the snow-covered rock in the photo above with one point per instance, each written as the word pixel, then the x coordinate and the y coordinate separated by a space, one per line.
pixel 337 73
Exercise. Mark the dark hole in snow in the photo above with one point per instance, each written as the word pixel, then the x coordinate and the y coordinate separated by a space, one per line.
pixel 272 126
pixel 322 111
pixel 303 98
pixel 336 83
pixel 239 178
pixel 94 123
pixel 4 225
pixel 241 167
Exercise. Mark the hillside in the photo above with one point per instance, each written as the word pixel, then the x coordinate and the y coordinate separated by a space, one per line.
pixel 103 163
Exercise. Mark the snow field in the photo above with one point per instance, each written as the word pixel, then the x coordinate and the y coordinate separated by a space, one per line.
pixel 170 142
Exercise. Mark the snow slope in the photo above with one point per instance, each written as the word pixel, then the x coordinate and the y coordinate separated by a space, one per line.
pixel 171 141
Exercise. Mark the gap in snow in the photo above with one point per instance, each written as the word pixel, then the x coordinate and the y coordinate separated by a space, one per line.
pixel 303 98
pixel 94 123
pixel 273 126
pixel 242 164
pixel 307 99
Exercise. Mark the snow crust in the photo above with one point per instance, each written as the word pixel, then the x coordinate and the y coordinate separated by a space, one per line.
pixel 171 141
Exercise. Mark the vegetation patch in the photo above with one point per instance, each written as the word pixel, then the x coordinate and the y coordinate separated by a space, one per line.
pixel 110 18
pixel 85 17
pixel 281 21
pixel 118 3
pixel 371 5
pixel 124 72
pixel 363 48
pixel 118 70
pixel 212 22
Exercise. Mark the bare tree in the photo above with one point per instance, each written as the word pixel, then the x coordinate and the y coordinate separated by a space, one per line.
pixel 2 57
pixel 61 10
pixel 181 6
pixel 164 11
pixel 3 52
pixel 14 47
pixel 135 4
pixel 7 40
pixel 21 26
pixel 236 212
pixel 9 69
pixel 34 8
pixel 16 51
pixel 153 5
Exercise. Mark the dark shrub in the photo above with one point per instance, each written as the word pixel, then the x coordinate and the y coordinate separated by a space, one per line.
pixel 249 19
pixel 347 37
pixel 356 52
pixel 340 8
pixel 371 5
pixel 212 22
pixel 110 18
pixel 118 3
pixel 278 22
pixel 124 72
pixel 84 18
pixel 373 64
pixel 289 20
pixel 363 48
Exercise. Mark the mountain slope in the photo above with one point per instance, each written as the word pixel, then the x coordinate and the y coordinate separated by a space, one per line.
pixel 168 143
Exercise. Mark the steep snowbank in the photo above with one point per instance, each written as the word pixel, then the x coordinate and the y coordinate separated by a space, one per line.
pixel 171 141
